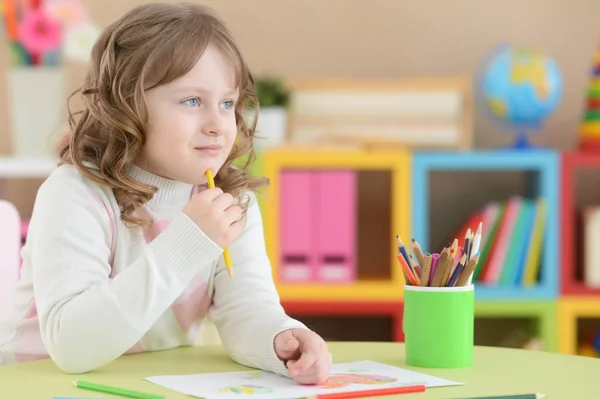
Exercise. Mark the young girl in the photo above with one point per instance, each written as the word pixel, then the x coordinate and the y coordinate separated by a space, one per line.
pixel 125 248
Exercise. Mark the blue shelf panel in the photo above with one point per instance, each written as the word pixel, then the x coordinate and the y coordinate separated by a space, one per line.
pixel 487 160
pixel 514 293
pixel 547 165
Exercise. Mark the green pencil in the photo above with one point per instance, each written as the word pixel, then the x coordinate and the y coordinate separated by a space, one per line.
pixel 115 391
pixel 523 396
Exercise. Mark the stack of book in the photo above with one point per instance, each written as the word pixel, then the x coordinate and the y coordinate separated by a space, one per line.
pixel 512 241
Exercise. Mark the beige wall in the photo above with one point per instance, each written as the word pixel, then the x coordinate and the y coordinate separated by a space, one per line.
pixel 396 38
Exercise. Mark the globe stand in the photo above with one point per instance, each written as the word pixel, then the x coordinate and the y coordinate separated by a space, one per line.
pixel 522 143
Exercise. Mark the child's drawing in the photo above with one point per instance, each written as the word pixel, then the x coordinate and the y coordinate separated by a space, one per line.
pixel 342 380
pixel 245 389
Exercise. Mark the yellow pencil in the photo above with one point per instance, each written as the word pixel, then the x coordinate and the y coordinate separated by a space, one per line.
pixel 226 256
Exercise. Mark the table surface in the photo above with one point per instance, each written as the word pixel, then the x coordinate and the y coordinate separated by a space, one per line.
pixel 495 371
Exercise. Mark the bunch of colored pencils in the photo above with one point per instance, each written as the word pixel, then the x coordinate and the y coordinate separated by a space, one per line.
pixel 441 269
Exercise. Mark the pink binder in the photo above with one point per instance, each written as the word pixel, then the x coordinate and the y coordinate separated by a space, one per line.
pixel 296 225
pixel 336 230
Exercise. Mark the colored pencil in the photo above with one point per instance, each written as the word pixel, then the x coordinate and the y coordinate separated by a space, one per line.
pixel 468 242
pixel 454 246
pixel 418 252
pixel 467 272
pixel 440 270
pixel 456 273
pixel 426 269
pixel 115 391
pixel 476 244
pixel 435 258
pixel 416 268
pixel 449 269
pixel 522 396
pixel 402 250
pixel 411 277
pixel 211 184
pixel 371 392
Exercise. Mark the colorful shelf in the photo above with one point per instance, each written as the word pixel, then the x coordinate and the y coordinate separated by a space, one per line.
pixel 570 310
pixel 555 304
pixel 371 288
pixel 571 162
pixel 394 310
pixel 544 312
pixel 544 164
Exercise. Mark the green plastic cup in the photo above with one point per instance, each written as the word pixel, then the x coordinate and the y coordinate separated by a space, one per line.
pixel 438 326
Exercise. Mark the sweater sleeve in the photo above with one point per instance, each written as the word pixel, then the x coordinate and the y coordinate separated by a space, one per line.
pixel 86 318
pixel 246 308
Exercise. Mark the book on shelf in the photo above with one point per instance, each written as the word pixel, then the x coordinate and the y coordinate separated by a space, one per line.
pixel 591 249
pixel 512 241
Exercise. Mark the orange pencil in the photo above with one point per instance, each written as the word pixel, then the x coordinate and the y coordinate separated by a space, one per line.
pixel 411 277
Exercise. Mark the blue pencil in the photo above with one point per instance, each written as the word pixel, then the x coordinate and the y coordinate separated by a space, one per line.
pixel 402 250
pixel 457 271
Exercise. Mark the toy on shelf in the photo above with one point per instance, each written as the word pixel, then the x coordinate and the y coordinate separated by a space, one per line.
pixel 520 88
pixel 589 132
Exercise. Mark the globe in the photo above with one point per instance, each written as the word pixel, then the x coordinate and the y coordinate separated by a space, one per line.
pixel 520 88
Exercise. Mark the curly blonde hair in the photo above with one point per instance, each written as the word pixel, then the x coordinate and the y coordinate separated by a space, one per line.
pixel 149 46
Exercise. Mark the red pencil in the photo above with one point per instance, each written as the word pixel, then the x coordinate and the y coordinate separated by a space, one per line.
pixel 371 392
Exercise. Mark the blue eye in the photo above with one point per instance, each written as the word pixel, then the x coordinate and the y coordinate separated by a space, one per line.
pixel 228 104
pixel 193 102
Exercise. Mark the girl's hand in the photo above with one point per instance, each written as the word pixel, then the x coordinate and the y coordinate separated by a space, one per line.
pixel 216 215
pixel 306 355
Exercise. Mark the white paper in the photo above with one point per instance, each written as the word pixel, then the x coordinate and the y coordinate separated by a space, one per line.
pixel 345 377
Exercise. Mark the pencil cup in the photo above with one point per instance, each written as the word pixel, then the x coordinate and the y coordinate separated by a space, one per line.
pixel 438 326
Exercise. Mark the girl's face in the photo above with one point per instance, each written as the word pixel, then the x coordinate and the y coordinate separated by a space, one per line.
pixel 191 125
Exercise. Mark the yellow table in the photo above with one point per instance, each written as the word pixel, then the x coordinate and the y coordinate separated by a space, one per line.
pixel 495 371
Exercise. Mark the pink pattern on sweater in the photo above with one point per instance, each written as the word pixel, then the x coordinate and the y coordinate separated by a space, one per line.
pixel 192 306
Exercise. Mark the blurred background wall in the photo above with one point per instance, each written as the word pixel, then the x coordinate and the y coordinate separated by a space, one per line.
pixel 387 38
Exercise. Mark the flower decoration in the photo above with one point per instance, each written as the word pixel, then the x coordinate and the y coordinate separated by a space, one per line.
pixel 39 32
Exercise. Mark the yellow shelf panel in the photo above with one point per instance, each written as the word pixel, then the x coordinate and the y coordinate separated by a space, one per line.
pixel 360 290
pixel 569 310
pixel 397 161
